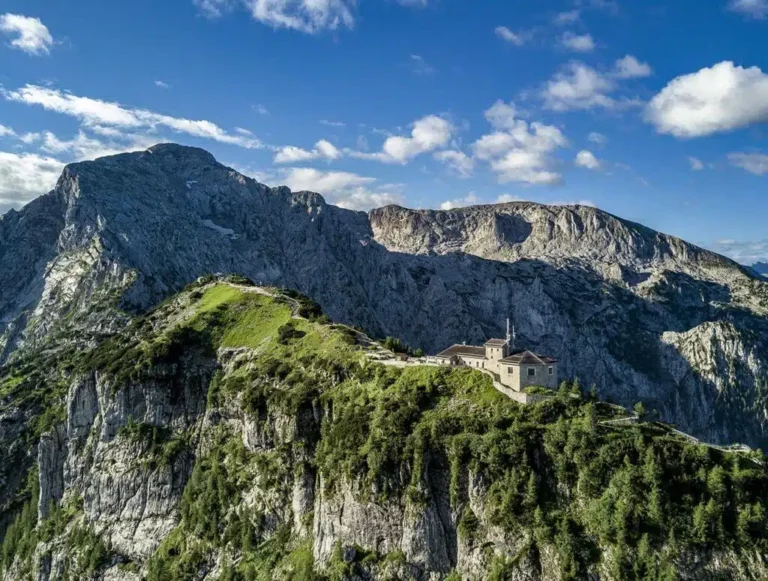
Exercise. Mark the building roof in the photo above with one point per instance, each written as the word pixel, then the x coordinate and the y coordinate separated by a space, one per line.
pixel 496 342
pixel 464 350
pixel 527 358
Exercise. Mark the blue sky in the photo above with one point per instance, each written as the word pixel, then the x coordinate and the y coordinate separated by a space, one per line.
pixel 654 111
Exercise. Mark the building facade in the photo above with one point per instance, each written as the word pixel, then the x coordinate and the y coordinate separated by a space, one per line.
pixel 516 369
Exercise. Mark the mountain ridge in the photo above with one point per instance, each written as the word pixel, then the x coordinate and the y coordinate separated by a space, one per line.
pixel 647 315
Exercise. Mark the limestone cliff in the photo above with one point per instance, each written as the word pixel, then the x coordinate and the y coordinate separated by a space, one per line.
pixel 233 433
pixel 610 299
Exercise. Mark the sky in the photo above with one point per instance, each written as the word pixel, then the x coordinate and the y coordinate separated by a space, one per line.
pixel 654 111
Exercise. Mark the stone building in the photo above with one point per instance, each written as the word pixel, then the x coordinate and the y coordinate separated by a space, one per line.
pixel 516 369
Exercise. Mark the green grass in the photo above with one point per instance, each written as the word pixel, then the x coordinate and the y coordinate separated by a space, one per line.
pixel 247 319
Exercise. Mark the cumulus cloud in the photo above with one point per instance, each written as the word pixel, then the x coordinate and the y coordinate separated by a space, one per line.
pixel 587 160
pixel 458 161
pixel 577 42
pixel 95 112
pixel 29 34
pixel 261 109
pixel 310 16
pixel 162 84
pixel 518 151
pixel 428 134
pixel 631 68
pixel 516 38
pixel 756 163
pixel 323 150
pixel 469 200
pixel 757 9
pixel 717 99
pixel 344 189
pixel 24 176
pixel 578 86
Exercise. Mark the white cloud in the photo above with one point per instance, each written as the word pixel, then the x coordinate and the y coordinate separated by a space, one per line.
pixel 518 151
pixel 6 131
pixel 516 38
pixel 30 138
pixel 419 66
pixel 753 8
pixel 310 16
pixel 428 134
pixel 323 182
pixel 508 198
pixel 502 115
pixel 84 147
pixel 629 67
pixel 31 35
pixel 458 161
pixel 578 86
pixel 213 8
pixel 323 150
pixel 597 138
pixel 243 131
pixel 696 163
pixel 261 109
pixel 327 123
pixel 25 176
pixel 589 203
pixel 756 163
pixel 469 200
pixel 94 112
pixel 745 252
pixel 578 42
pixel 344 189
pixel 162 84
pixel 568 17
pixel 717 99
pixel 587 160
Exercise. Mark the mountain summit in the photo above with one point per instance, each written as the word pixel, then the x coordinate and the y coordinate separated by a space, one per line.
pixel 645 315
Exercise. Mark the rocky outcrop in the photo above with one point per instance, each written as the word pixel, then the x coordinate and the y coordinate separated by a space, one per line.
pixel 598 293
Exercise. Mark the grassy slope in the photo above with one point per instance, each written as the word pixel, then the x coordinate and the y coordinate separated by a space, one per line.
pixel 555 475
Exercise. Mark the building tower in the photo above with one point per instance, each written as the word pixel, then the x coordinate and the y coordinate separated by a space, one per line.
pixel 511 336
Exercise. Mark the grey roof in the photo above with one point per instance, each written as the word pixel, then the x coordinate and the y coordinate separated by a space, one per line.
pixel 468 350
pixel 496 342
pixel 527 358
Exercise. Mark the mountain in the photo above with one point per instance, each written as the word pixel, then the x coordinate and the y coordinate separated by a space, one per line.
pixel 645 316
pixel 760 268
pixel 234 433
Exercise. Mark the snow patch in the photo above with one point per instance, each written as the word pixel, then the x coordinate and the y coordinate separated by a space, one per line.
pixel 190 183
pixel 220 229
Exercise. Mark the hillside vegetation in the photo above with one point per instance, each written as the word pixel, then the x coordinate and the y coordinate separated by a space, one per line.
pixel 274 449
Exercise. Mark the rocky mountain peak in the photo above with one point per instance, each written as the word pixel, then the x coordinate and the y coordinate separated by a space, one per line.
pixel 610 299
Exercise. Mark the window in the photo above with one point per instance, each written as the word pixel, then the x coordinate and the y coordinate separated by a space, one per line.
pixel 510 370
pixel 531 372
pixel 551 370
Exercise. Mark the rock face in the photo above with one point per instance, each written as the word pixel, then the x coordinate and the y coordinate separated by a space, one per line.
pixel 643 315
pixel 223 435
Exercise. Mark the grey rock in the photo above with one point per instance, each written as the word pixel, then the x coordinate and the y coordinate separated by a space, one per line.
pixel 617 303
